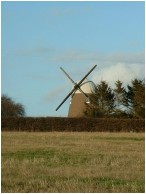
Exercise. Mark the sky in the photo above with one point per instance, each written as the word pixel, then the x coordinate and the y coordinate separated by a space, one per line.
pixel 37 38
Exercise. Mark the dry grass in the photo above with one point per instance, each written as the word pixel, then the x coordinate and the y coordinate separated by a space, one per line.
pixel 72 162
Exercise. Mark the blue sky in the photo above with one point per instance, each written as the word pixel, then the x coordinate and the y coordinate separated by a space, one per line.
pixel 39 37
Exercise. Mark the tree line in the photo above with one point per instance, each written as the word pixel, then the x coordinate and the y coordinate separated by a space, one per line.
pixel 119 102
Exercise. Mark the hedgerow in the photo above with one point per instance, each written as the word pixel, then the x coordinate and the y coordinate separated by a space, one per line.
pixel 48 124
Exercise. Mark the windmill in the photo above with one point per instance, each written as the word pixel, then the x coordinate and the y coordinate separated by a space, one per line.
pixel 80 94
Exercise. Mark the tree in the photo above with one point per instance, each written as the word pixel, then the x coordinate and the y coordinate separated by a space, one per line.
pixel 120 102
pixel 119 93
pixel 135 98
pixel 102 104
pixel 10 108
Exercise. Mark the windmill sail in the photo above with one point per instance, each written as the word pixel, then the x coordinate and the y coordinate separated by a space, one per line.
pixel 76 86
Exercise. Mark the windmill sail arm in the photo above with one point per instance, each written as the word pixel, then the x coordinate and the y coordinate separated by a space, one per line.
pixel 66 98
pixel 75 85
pixel 87 75
pixel 67 75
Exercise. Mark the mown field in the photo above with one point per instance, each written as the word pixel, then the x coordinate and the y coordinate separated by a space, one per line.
pixel 72 162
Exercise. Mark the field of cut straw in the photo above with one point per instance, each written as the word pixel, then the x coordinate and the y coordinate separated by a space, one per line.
pixel 72 162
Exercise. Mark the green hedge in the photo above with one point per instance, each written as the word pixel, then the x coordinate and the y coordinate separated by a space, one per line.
pixel 49 124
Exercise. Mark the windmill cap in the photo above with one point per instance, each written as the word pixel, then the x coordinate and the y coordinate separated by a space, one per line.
pixel 87 86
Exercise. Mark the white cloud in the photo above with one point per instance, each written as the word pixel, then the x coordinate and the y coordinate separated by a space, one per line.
pixel 124 72
pixel 124 66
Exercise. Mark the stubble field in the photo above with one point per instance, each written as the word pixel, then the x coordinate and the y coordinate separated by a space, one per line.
pixel 72 162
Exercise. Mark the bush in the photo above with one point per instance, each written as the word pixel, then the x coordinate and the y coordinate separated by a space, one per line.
pixel 48 124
